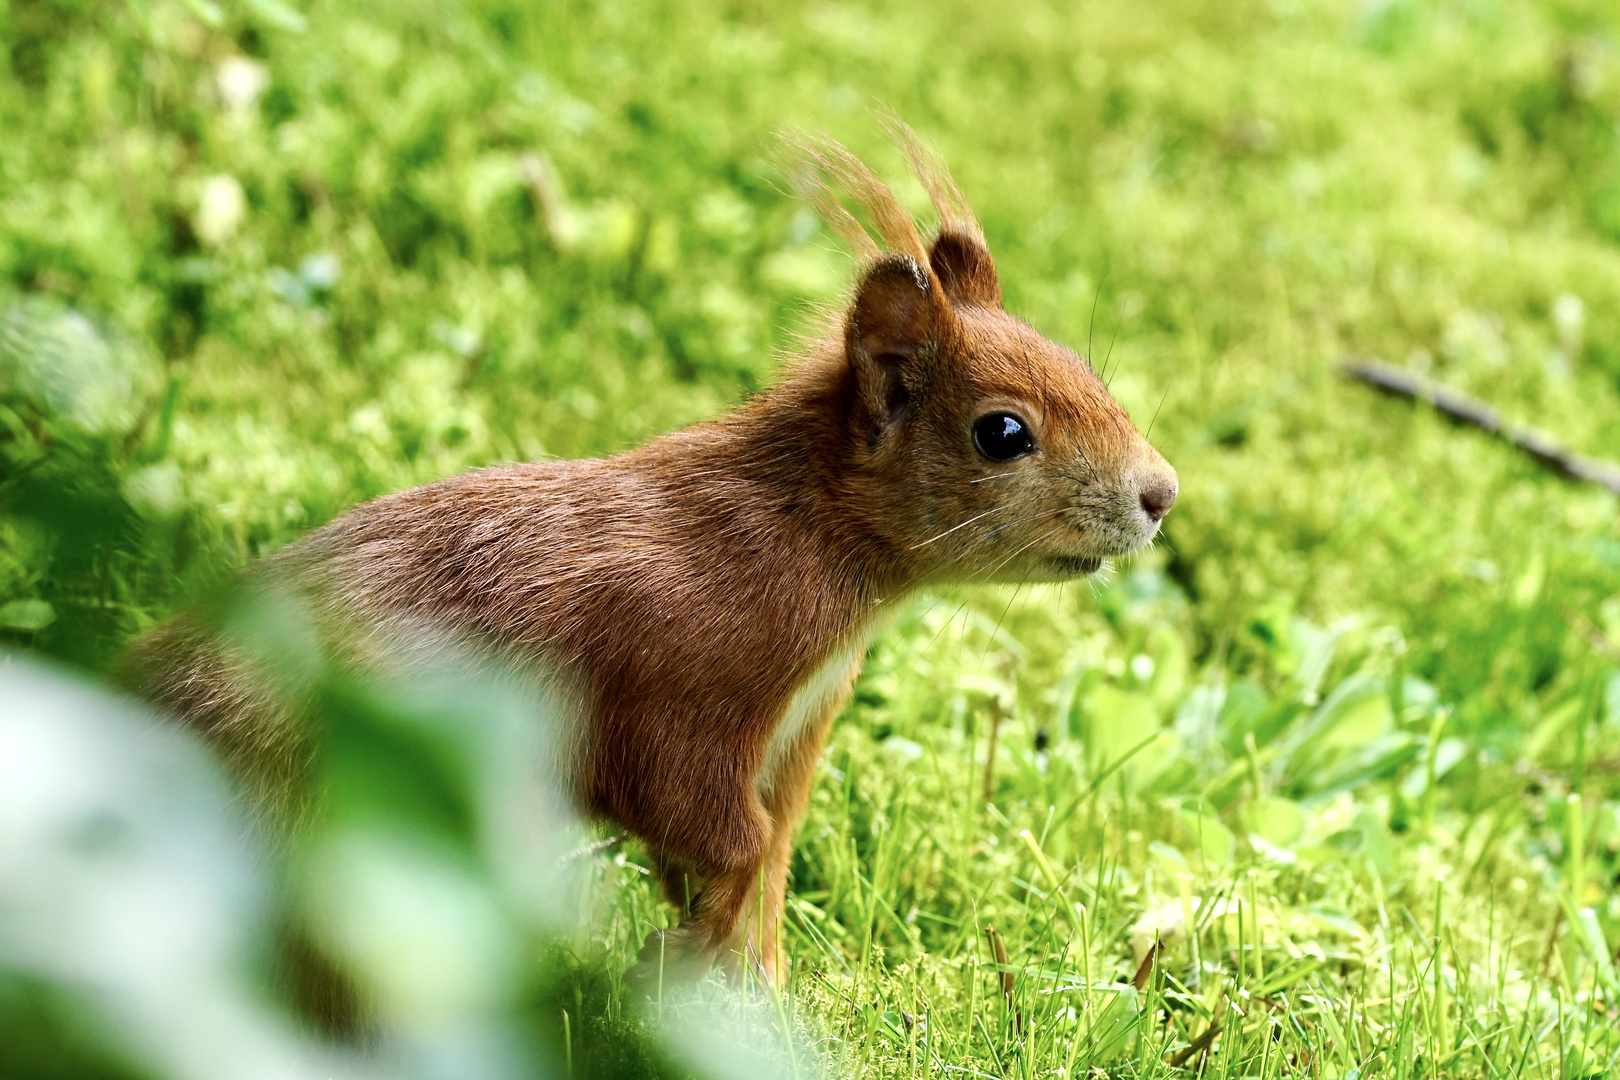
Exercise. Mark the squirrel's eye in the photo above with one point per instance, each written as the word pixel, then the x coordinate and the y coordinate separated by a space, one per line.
pixel 1002 436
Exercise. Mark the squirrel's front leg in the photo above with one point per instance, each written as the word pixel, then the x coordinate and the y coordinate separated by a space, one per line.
pixel 758 935
pixel 739 841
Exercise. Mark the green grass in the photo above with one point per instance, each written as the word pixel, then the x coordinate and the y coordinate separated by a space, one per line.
pixel 1358 717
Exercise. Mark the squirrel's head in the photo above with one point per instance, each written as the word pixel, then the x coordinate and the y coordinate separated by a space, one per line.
pixel 994 453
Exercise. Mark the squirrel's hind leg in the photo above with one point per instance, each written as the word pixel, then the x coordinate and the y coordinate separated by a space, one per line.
pixel 686 952
pixel 678 880
pixel 726 837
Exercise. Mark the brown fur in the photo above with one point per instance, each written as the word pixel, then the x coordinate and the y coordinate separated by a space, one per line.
pixel 688 589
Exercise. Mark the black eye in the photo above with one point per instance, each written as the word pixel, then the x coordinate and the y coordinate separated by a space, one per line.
pixel 1001 436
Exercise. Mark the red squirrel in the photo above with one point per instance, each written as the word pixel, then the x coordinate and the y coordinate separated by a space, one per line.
pixel 711 594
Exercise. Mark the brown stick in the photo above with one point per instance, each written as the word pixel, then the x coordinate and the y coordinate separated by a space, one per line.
pixel 1538 444
pixel 1144 970
pixel 1552 941
pixel 998 949
pixel 1197 1045
pixel 990 758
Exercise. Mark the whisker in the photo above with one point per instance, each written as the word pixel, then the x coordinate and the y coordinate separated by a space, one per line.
pixel 1043 537
pixel 988 645
pixel 1005 526
pixel 1155 419
pixel 997 476
pixel 916 657
pixel 953 528
pixel 1092 324
pixel 987 572
pixel 1108 380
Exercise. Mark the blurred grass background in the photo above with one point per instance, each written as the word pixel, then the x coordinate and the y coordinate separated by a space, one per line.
pixel 261 264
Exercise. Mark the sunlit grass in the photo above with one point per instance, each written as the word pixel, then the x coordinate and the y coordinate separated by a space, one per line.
pixel 1342 926
pixel 1356 722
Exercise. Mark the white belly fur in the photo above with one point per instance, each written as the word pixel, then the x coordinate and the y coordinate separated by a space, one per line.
pixel 809 704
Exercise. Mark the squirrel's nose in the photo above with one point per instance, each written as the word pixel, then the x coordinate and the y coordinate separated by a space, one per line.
pixel 1158 498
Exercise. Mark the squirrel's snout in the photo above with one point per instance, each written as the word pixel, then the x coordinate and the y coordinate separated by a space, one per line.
pixel 1158 497
pixel 1156 485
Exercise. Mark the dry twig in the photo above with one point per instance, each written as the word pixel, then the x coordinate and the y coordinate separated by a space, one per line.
pixel 998 949
pixel 1460 407
pixel 990 757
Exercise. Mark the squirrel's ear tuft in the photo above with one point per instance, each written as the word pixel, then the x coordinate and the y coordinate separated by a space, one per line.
pixel 965 269
pixel 899 318
pixel 958 256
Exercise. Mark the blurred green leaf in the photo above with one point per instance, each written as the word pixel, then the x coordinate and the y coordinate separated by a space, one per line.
pixel 27 615
pixel 1211 840
pixel 1278 820
pixel 278 14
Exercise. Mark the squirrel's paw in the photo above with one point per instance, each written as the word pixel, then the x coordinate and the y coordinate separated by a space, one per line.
pixel 668 957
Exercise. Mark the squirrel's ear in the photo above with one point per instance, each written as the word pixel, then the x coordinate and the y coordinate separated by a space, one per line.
pixel 900 315
pixel 965 269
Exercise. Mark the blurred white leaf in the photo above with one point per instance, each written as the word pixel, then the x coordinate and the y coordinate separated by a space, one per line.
pixel 240 82
pixel 127 884
pixel 60 360
pixel 221 209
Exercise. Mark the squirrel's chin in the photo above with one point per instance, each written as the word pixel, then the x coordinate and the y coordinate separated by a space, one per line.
pixel 1074 565
pixel 1040 569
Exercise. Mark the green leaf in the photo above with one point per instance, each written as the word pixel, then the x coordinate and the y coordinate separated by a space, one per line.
pixel 1354 715
pixel 1379 758
pixel 1115 1024
pixel 207 11
pixel 1208 834
pixel 1172 859
pixel 274 11
pixel 1279 820
pixel 1118 723
pixel 30 615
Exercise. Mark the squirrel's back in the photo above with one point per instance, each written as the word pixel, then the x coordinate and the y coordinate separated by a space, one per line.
pixel 695 569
